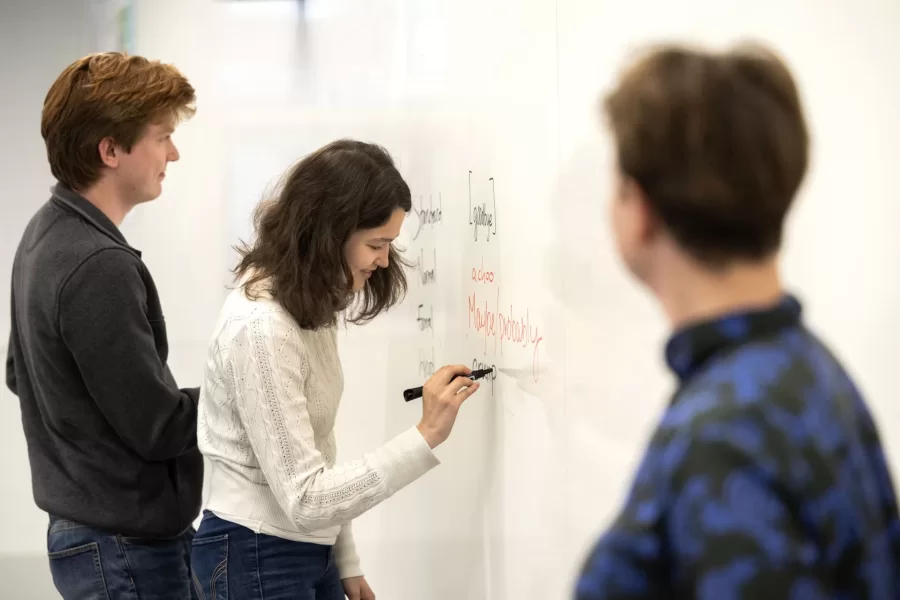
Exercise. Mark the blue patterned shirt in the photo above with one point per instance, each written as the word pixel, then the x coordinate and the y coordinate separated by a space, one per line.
pixel 765 478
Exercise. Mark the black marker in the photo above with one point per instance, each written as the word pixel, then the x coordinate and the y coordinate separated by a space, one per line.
pixel 416 392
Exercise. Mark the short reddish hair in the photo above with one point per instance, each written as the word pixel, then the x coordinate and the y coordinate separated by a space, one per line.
pixel 103 95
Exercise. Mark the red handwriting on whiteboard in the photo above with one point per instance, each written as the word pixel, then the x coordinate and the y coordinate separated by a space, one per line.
pixel 504 325
pixel 479 275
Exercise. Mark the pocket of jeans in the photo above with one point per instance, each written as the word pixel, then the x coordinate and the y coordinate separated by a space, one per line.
pixel 209 566
pixel 77 573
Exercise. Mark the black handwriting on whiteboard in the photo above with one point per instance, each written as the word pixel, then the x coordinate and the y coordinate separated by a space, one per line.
pixel 428 216
pixel 477 365
pixel 427 276
pixel 426 362
pixel 425 321
pixel 481 216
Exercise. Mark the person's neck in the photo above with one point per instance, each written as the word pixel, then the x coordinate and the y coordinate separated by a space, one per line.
pixel 105 197
pixel 689 293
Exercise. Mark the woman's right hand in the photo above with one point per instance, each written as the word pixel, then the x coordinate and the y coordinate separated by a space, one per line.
pixel 442 395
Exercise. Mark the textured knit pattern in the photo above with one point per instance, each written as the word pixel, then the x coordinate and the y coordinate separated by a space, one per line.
pixel 266 418
pixel 765 479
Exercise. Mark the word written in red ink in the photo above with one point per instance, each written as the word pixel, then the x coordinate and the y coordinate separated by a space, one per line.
pixel 503 325
pixel 483 216
pixel 479 275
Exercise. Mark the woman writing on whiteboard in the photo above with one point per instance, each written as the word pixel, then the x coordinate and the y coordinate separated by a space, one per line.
pixel 278 518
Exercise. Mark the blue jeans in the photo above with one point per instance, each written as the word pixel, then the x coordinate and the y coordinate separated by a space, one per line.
pixel 232 562
pixel 89 564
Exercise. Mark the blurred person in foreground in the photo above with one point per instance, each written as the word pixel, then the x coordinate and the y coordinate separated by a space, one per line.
pixel 765 477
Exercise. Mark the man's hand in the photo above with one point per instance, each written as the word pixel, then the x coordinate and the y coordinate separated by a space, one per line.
pixel 356 588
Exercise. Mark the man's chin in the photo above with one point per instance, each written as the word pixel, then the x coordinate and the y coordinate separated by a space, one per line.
pixel 150 197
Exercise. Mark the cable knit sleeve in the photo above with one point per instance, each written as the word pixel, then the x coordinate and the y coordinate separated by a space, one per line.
pixel 345 555
pixel 270 364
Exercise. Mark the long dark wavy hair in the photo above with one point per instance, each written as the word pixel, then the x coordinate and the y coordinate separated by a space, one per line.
pixel 298 253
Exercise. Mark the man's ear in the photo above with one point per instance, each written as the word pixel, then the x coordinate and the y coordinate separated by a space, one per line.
pixel 649 225
pixel 109 152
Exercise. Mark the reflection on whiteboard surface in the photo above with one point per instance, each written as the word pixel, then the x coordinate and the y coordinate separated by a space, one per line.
pixel 113 25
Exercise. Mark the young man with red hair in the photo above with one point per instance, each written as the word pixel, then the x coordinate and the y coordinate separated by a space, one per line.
pixel 111 438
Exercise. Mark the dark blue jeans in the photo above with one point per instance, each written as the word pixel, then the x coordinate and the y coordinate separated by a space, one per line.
pixel 89 564
pixel 232 562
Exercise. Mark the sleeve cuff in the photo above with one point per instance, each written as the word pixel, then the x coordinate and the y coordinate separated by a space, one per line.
pixel 345 556
pixel 348 569
pixel 404 459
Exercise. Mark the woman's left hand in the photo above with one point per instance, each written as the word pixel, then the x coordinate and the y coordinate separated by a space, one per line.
pixel 356 588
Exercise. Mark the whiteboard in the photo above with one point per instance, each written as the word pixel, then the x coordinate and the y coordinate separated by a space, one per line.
pixel 490 109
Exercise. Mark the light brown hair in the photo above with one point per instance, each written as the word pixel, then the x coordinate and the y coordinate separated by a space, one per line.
pixel 718 143
pixel 103 95
pixel 298 254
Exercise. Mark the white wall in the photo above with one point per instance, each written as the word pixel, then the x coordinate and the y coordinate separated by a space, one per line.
pixel 38 38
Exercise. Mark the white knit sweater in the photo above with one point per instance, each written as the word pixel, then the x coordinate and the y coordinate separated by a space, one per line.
pixel 266 417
